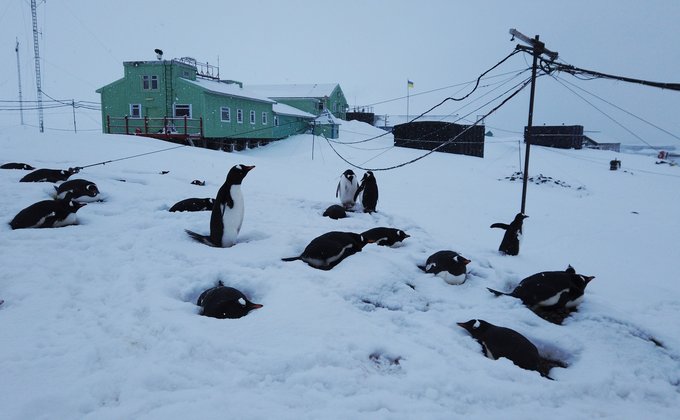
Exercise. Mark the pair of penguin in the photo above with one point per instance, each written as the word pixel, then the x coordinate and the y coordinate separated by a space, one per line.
pixel 551 290
pixel 227 211
pixel 349 189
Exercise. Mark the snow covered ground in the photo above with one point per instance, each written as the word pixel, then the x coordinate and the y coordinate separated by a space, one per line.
pixel 100 321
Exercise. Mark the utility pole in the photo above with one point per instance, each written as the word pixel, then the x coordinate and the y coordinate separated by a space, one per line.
pixel 21 100
pixel 37 65
pixel 537 48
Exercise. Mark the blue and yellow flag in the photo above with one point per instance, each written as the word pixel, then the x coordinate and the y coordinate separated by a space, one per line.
pixel 409 83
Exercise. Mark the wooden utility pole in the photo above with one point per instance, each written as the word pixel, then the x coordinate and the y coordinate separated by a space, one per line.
pixel 537 48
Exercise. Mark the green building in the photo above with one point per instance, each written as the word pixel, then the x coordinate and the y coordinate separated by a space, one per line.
pixel 182 98
pixel 312 98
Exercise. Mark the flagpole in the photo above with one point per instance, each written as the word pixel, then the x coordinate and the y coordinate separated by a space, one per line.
pixel 407 99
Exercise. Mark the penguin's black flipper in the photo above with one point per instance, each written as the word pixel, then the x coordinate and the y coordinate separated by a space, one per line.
pixel 500 225
pixel 359 190
pixel 290 259
pixel 200 238
pixel 497 293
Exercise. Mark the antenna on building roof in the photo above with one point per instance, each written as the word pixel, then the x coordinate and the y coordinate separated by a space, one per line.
pixel 159 53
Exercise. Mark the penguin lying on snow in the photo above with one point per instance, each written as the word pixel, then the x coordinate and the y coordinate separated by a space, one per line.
pixel 81 190
pixel 369 192
pixel 499 342
pixel 17 165
pixel 49 175
pixel 385 236
pixel 335 212
pixel 227 212
pixel 449 265
pixel 513 233
pixel 347 187
pixel 47 214
pixel 551 289
pixel 328 250
pixel 193 204
pixel 225 302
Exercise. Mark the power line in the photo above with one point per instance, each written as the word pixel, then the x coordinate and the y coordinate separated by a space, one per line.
pixel 523 85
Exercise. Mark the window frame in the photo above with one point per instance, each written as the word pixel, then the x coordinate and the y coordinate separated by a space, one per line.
pixel 174 110
pixel 239 115
pixel 149 82
pixel 139 109
pixel 265 118
pixel 228 110
pixel 252 118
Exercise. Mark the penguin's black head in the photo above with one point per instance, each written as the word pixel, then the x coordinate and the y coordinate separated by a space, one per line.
pixel 461 259
pixel 585 279
pixel 74 206
pixel 520 217
pixel 402 235
pixel 237 173
pixel 234 309
pixel 475 326
pixel 349 174
pixel 92 190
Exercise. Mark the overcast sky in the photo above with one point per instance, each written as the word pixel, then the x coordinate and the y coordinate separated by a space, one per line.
pixel 370 47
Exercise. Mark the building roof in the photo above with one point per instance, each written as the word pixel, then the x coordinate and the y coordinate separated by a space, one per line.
pixel 315 90
pixel 327 117
pixel 283 109
pixel 229 89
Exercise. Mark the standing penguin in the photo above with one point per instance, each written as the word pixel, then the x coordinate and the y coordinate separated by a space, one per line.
pixel 449 265
pixel 369 192
pixel 503 342
pixel 49 175
pixel 513 233
pixel 227 212
pixel 47 214
pixel 225 302
pixel 328 250
pixel 81 190
pixel 347 188
pixel 551 289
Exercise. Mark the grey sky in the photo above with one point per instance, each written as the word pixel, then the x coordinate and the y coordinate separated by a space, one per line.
pixel 370 47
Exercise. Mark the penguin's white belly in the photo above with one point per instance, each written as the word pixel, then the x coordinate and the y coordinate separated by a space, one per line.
pixel 347 191
pixel 553 299
pixel 451 278
pixel 69 220
pixel 232 219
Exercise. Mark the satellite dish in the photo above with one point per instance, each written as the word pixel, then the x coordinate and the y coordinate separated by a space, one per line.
pixel 159 53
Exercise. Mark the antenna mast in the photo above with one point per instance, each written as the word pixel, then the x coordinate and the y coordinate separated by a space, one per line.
pixel 21 101
pixel 37 65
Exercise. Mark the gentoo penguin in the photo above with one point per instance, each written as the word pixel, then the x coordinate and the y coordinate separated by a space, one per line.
pixel 347 187
pixel 17 165
pixel 328 250
pixel 193 204
pixel 81 190
pixel 47 213
pixel 225 302
pixel 513 233
pixel 551 289
pixel 369 192
pixel 385 236
pixel 335 212
pixel 449 265
pixel 227 212
pixel 49 175
pixel 499 342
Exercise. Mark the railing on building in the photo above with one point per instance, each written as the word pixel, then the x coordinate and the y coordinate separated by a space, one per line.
pixel 180 128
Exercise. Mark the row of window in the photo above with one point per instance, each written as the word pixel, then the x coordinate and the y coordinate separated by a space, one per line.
pixel 184 110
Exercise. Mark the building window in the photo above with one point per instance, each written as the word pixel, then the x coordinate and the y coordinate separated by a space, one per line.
pixel 264 118
pixel 320 105
pixel 135 111
pixel 225 111
pixel 149 82
pixel 252 117
pixel 239 116
pixel 182 110
pixel 276 120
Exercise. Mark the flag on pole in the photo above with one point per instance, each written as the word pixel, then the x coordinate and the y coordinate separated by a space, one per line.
pixel 409 83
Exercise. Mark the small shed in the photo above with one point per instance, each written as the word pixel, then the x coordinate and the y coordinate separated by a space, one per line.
pixel 443 136
pixel 327 125
pixel 558 136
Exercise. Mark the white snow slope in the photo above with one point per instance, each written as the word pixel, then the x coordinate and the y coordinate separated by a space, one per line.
pixel 100 321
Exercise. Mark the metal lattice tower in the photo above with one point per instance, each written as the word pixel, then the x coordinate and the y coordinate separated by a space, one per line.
pixel 21 101
pixel 37 65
